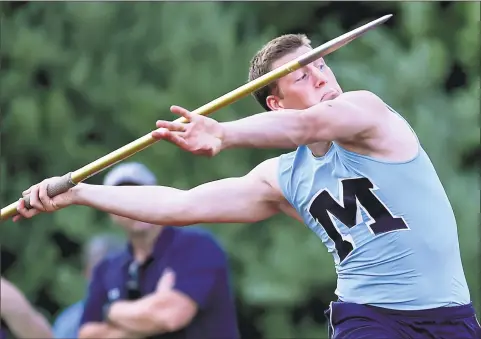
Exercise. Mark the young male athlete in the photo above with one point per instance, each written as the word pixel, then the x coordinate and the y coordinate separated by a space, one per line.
pixel 358 178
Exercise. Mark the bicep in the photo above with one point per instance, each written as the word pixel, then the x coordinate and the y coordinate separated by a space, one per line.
pixel 233 200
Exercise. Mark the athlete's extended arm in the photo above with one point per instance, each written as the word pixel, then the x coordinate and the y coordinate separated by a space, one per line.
pixel 235 200
pixel 343 118
pixel 350 115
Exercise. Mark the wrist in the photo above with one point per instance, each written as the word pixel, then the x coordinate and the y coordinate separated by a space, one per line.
pixel 77 194
pixel 224 137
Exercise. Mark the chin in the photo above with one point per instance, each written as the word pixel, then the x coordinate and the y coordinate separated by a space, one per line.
pixel 141 228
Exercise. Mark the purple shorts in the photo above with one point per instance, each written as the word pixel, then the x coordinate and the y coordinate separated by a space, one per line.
pixel 354 321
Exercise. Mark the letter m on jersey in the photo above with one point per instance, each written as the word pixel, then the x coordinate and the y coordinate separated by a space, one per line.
pixel 354 194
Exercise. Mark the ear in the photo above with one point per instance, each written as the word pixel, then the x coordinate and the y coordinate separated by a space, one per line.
pixel 274 102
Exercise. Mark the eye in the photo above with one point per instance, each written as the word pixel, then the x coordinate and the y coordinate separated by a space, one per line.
pixel 321 66
pixel 302 77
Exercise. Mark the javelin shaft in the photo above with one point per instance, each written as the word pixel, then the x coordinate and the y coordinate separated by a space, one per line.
pixel 227 99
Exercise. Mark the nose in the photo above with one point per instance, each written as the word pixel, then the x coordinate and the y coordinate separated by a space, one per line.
pixel 319 77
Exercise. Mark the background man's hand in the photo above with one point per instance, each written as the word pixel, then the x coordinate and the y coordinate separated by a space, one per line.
pixel 166 281
pixel 201 136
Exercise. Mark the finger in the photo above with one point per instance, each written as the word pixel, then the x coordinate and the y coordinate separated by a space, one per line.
pixel 171 126
pixel 160 133
pixel 27 192
pixel 167 281
pixel 23 212
pixel 21 205
pixel 35 200
pixel 44 198
pixel 183 112
pixel 173 137
pixel 177 140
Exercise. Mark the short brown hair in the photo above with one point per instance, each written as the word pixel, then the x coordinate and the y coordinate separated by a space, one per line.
pixel 262 62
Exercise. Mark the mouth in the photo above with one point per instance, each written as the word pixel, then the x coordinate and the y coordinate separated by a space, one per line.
pixel 328 94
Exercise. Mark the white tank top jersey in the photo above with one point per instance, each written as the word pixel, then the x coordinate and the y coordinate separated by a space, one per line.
pixel 389 226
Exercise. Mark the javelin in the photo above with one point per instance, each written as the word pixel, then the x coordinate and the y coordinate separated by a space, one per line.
pixel 71 179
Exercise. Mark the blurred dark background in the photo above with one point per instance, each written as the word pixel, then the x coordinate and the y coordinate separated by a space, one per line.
pixel 79 80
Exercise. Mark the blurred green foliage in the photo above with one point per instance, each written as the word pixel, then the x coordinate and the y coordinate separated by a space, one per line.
pixel 79 80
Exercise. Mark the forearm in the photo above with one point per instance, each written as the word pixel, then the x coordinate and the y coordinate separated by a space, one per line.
pixel 24 323
pixel 279 129
pixel 152 204
pixel 141 316
pixel 232 200
pixel 106 331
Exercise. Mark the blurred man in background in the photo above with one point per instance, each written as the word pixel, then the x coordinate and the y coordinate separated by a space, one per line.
pixel 18 316
pixel 66 325
pixel 168 280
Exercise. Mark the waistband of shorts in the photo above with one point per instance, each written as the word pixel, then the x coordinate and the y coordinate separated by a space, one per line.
pixel 448 312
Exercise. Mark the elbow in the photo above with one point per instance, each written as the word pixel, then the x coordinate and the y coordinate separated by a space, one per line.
pixel 174 213
pixel 311 129
pixel 298 128
pixel 186 209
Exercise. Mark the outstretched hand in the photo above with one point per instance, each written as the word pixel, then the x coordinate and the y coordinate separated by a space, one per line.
pixel 201 136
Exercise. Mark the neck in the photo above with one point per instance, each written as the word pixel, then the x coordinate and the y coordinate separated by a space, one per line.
pixel 143 244
pixel 320 149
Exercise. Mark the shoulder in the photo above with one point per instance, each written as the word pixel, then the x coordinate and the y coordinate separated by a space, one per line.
pixel 269 171
pixel 275 168
pixel 366 97
pixel 277 172
pixel 197 246
pixel 361 101
pixel 109 261
pixel 195 238
pixel 357 115
pixel 266 166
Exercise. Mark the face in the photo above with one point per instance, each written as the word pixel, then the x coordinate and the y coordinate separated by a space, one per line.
pixel 305 87
pixel 133 228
